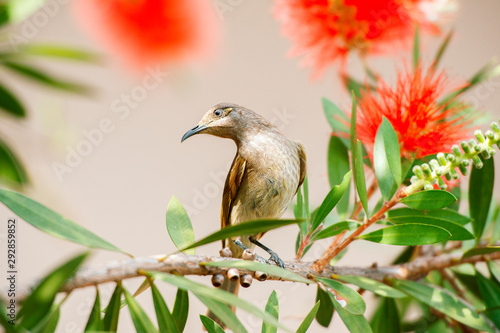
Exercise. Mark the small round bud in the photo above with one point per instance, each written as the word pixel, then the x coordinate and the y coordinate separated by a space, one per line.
pixel 489 134
pixel 427 170
pixel 463 170
pixel 417 170
pixel 447 176
pixel 491 151
pixel 246 280
pixel 248 254
pixel 233 274
pixel 465 147
pixel 485 154
pixel 441 159
pixel 454 174
pixel 428 187
pixel 477 162
pixel 456 151
pixel 217 280
pixel 414 179
pixel 442 184
pixel 465 163
pixel 479 136
pixel 494 126
pixel 434 164
pixel 226 252
pixel 261 276
pixel 473 145
pixel 451 158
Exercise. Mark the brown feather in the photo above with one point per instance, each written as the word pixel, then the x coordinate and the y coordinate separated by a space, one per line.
pixel 231 188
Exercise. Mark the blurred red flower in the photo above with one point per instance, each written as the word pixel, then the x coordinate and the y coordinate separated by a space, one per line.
pixel 143 32
pixel 423 125
pixel 324 31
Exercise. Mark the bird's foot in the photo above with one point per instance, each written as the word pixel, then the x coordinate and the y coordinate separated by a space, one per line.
pixel 277 260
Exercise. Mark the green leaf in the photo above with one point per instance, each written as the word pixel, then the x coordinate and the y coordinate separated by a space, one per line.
pixel 272 307
pixel 353 130
pixel 224 313
pixel 308 319
pixel 356 87
pixel 481 250
pixel 491 295
pixel 210 325
pixel 386 317
pixel 354 323
pixel 49 323
pixel 336 229
pixel 442 49
pixel 51 222
pixel 457 231
pixel 305 187
pixel 166 321
pixel 181 309
pixel 416 48
pixel 443 214
pixel 494 269
pixel 179 225
pixel 374 286
pixel 94 323
pixel 480 193
pixel 331 199
pixel 429 200
pixel 338 166
pixel 11 168
pixel 110 321
pixel 408 234
pixel 141 320
pixel 355 303
pixel 246 228
pixel 336 118
pixel 443 301
pixel 360 177
pixel 59 52
pixel 19 10
pixel 44 78
pixel 216 294
pixel 387 160
pixel 325 312
pixel 37 304
pixel 10 103
pixel 258 266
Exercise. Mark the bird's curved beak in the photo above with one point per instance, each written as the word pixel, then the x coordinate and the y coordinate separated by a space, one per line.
pixel 193 131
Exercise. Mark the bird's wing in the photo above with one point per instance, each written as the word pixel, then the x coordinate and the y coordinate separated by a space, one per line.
pixel 233 182
pixel 302 157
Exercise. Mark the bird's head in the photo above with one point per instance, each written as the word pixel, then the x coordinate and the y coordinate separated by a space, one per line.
pixel 223 120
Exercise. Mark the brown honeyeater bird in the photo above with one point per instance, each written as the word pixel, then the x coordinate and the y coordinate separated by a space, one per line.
pixel 265 175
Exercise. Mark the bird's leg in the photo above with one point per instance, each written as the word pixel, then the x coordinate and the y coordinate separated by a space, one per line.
pixel 258 258
pixel 274 256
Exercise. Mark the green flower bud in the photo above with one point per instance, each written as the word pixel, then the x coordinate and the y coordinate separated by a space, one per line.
pixel 479 136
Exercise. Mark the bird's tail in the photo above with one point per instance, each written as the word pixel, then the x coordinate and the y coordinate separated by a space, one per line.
pixel 232 287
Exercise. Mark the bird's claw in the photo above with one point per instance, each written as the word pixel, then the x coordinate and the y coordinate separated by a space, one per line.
pixel 261 260
pixel 277 260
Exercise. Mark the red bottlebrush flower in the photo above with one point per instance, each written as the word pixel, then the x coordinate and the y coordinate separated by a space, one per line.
pixel 422 124
pixel 142 32
pixel 324 31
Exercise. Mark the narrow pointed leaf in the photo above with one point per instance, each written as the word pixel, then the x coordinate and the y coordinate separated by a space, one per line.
pixel 480 194
pixel 272 307
pixel 429 200
pixel 10 103
pixel 181 309
pixel 353 131
pixel 11 168
pixel 94 323
pixel 354 323
pixel 360 177
pixel 37 304
pixel 246 228
pixel 338 166
pixel 442 49
pixel 44 78
pixel 386 158
pixel 494 269
pixel 49 323
pixel 51 222
pixel 166 322
pixel 325 312
pixel 416 48
pixel 59 52
pixel 374 286
pixel 355 303
pixel 336 118
pixel 481 250
pixel 444 214
pixel 179 225
pixel 258 266
pixel 304 326
pixel 331 199
pixel 386 318
pixel 336 229
pixel 224 313
pixel 110 321
pixel 218 295
pixel 210 325
pixel 443 301
pixel 305 187
pixel 490 293
pixel 140 319
pixel 408 234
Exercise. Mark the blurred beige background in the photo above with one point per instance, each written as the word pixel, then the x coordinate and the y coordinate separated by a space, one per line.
pixel 121 189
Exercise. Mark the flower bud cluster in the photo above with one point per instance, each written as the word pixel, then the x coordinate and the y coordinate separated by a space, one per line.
pixel 445 165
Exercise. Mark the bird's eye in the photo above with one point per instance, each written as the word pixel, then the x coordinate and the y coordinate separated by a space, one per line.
pixel 218 113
